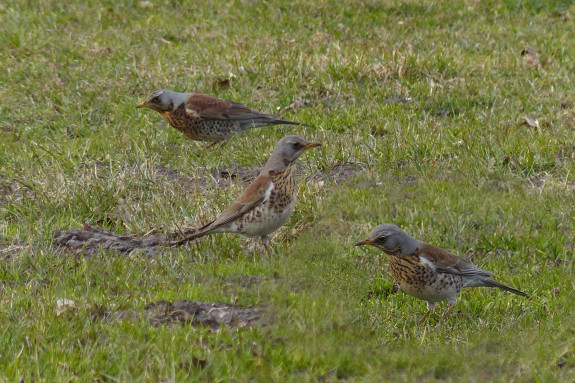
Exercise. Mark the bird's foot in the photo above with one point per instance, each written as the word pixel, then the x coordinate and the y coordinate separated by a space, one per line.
pixel 446 317
pixel 423 318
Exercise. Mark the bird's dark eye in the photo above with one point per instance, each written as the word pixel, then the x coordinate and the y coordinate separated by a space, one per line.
pixel 382 239
pixel 297 145
pixel 156 99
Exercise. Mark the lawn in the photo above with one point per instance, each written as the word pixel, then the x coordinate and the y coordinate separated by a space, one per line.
pixel 432 116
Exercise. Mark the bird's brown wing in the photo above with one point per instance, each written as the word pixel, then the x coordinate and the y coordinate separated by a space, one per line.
pixel 254 195
pixel 213 108
pixel 446 262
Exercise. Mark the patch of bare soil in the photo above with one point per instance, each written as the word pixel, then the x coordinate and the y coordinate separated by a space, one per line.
pixel 14 191
pixel 212 315
pixel 340 173
pixel 537 182
pixel 90 240
pixel 7 251
pixel 237 173
pixel 408 180
pixel 219 178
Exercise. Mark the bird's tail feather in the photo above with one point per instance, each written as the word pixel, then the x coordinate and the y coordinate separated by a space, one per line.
pixel 266 121
pixel 492 283
pixel 286 122
pixel 198 234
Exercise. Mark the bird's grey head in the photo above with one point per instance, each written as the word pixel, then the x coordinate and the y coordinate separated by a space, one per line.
pixel 288 150
pixel 391 239
pixel 164 100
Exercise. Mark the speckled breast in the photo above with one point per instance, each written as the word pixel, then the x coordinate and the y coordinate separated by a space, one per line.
pixel 418 279
pixel 199 129
pixel 273 213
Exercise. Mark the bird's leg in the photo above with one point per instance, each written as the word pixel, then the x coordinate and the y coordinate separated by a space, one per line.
pixel 430 307
pixel 220 143
pixel 252 246
pixel 451 306
pixel 266 243
pixel 423 318
pixel 213 144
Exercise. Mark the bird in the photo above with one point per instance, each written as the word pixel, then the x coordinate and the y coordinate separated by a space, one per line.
pixel 426 271
pixel 206 118
pixel 267 203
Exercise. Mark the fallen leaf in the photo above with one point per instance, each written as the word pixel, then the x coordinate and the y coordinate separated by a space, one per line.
pixel 298 103
pixel 95 48
pixel 530 56
pixel 526 121
pixel 224 83
pixel 201 363
pixel 319 184
pixel 63 305
pixel 442 112
pixel 378 131
pixel 256 351
pixel 202 342
pixel 397 100
pixel 564 16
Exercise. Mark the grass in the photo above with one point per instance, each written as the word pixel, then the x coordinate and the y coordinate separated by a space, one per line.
pixel 454 166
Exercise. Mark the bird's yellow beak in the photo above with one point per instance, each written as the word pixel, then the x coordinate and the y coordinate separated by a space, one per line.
pixel 142 105
pixel 364 242
pixel 312 145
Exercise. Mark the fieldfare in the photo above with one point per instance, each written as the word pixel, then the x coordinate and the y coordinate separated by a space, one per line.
pixel 206 118
pixel 267 203
pixel 426 271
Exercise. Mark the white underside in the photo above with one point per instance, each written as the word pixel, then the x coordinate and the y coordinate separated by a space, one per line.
pixel 263 225
pixel 432 293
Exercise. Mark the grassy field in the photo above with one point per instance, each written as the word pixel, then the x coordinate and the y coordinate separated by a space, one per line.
pixel 424 102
